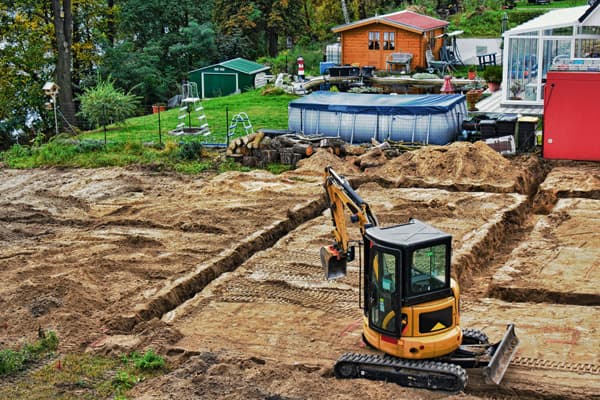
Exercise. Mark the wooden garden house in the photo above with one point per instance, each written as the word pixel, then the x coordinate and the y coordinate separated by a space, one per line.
pixel 373 41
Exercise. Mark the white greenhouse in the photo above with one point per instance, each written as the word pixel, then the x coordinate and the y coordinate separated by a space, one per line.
pixel 532 47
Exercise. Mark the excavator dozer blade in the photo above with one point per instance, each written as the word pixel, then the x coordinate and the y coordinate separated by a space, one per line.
pixel 333 264
pixel 505 350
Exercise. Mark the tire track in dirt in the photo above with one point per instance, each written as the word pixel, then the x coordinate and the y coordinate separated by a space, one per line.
pixel 186 287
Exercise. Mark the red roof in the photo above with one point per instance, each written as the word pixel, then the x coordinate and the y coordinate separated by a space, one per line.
pixel 415 20
pixel 405 19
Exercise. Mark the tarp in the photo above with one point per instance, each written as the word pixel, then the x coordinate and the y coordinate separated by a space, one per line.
pixel 359 118
pixel 379 103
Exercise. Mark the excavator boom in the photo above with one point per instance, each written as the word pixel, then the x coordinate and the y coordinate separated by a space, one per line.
pixel 340 195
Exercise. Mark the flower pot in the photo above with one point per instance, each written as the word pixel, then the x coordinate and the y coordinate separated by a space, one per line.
pixel 473 97
pixel 158 108
pixel 493 86
pixel 471 75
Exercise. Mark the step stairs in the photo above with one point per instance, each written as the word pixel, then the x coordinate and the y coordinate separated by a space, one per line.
pixel 191 119
pixel 240 122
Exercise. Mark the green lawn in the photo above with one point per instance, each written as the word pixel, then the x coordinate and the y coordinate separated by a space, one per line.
pixel 553 4
pixel 137 142
pixel 264 111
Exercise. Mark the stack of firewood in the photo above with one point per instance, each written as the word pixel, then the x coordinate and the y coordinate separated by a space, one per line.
pixel 259 149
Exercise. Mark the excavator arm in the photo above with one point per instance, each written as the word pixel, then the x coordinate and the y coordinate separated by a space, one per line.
pixel 340 197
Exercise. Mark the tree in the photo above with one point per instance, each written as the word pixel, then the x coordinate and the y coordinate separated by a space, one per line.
pixel 157 43
pixel 261 21
pixel 24 68
pixel 196 46
pixel 137 70
pixel 63 31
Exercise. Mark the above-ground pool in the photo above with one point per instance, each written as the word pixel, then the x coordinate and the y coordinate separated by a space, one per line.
pixel 358 118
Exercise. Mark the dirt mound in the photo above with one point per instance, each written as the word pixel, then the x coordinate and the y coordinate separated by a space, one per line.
pixel 462 165
pixel 460 160
pixel 315 165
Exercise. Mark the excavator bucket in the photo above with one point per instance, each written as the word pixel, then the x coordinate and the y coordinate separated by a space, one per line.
pixel 334 264
pixel 504 352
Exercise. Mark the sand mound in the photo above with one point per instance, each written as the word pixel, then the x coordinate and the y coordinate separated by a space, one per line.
pixel 315 165
pixel 457 164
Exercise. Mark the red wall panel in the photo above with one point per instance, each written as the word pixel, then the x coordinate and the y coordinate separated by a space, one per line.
pixel 572 116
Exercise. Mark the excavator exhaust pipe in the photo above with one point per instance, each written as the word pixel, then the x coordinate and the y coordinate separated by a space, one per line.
pixel 334 264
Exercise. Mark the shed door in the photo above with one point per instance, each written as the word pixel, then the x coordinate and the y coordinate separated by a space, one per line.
pixel 221 84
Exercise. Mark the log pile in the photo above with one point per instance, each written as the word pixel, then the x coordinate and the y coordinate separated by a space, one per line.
pixel 265 147
pixel 259 149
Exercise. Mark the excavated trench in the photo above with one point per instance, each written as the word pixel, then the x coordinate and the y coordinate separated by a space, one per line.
pixel 186 287
pixel 538 295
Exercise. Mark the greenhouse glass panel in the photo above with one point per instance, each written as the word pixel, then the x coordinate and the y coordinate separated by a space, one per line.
pixel 587 48
pixel 523 68
pixel 562 31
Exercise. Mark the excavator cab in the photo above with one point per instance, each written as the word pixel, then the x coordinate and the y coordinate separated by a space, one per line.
pixel 405 265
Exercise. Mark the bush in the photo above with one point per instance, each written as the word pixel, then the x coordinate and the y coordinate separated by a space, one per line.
pixel 286 60
pixel 11 361
pixel 492 73
pixel 16 360
pixel 104 104
pixel 190 151
pixel 135 148
pixel 89 146
pixel 124 380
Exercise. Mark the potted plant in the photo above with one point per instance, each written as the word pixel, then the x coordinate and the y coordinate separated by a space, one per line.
pixel 472 72
pixel 474 92
pixel 493 76
pixel 515 90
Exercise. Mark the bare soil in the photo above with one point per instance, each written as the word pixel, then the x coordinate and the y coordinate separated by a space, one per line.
pixel 221 274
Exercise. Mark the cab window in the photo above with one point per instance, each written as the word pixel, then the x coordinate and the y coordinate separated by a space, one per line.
pixel 428 270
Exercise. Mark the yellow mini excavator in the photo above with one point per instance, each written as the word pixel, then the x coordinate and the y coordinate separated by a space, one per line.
pixel 409 301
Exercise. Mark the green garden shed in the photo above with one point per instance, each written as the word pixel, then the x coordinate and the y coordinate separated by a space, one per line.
pixel 228 77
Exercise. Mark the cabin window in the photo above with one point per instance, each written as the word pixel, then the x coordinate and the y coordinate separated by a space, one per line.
pixel 428 270
pixel 389 40
pixel 374 40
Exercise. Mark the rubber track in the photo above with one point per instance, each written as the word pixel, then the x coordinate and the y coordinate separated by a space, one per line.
pixel 530 362
pixel 412 373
